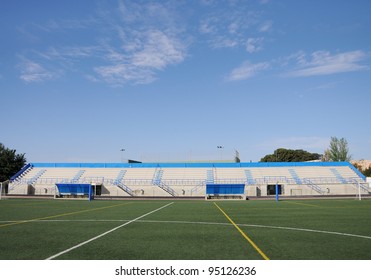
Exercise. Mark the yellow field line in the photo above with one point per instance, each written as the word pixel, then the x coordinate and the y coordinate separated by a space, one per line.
pixel 305 204
pixel 63 214
pixel 243 234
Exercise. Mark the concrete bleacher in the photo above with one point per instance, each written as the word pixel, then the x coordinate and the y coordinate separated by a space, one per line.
pixel 190 179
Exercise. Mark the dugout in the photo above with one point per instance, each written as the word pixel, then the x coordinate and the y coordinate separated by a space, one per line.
pixel 225 191
pixel 74 191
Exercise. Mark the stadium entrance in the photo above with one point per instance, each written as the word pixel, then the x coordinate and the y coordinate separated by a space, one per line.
pixel 271 189
pixel 225 191
pixel 97 189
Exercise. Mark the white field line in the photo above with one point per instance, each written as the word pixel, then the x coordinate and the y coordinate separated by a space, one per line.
pixel 105 233
pixel 208 223
pixel 264 226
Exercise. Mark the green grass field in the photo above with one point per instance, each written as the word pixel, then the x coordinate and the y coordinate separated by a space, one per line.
pixel 185 230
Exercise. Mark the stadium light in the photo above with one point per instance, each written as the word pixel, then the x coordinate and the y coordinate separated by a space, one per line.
pixel 221 151
pixel 122 155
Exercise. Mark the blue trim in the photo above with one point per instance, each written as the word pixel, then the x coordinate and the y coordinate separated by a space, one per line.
pixel 217 189
pixel 364 178
pixel 24 168
pixel 189 165
pixel 74 188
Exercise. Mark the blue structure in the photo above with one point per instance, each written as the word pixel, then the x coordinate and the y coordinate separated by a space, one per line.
pixel 189 165
pixel 75 190
pixel 190 179
pixel 225 190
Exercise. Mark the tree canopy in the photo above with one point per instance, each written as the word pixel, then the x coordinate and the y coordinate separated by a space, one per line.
pixel 366 171
pixel 10 162
pixel 338 150
pixel 287 155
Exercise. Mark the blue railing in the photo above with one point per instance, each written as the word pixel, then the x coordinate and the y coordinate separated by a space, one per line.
pixel 338 175
pixel 295 176
pixel 20 172
pixel 209 176
pixel 189 165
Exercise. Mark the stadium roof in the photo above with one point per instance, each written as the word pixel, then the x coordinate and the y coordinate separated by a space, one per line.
pixel 187 164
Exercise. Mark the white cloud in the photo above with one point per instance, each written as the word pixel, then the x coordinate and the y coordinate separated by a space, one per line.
pixel 153 51
pixel 227 25
pixel 324 63
pixel 210 25
pixel 224 42
pixel 120 74
pixel 247 70
pixel 159 50
pixel 265 26
pixel 132 44
pixel 34 72
pixel 151 39
pixel 254 44
pixel 135 41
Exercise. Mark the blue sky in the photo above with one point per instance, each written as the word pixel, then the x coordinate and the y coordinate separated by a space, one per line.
pixel 172 80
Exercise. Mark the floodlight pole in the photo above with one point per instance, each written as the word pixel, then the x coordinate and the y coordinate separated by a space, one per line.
pixel 1 189
pixel 122 155
pixel 221 152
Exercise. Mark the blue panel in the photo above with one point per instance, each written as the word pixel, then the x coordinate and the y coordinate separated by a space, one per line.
pixel 73 188
pixel 190 165
pixel 217 189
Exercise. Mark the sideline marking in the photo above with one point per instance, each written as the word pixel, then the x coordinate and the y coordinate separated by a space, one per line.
pixel 243 234
pixel 310 230
pixel 64 214
pixel 208 223
pixel 305 204
pixel 107 232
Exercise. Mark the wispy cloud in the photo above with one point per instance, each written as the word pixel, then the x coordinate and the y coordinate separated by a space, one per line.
pixel 159 50
pixel 138 64
pixel 122 73
pixel 130 45
pixel 325 63
pixel 34 72
pixel 265 26
pixel 247 70
pixel 151 39
pixel 135 42
pixel 254 44
pixel 228 25
pixel 141 56
pixel 63 24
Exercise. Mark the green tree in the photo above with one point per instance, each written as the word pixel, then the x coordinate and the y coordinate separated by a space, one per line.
pixel 338 150
pixel 367 172
pixel 10 162
pixel 287 155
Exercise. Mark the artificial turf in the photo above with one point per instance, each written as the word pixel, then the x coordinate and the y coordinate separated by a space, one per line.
pixel 185 230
